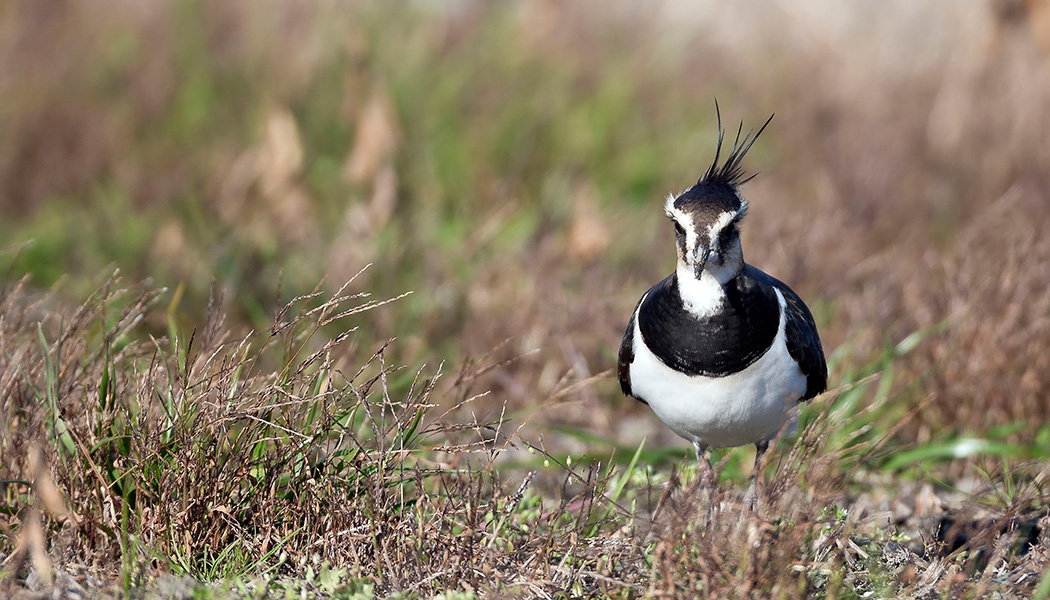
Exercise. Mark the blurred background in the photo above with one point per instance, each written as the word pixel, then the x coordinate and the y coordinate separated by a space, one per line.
pixel 507 162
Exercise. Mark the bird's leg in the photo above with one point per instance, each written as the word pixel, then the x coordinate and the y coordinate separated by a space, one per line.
pixel 707 480
pixel 751 497
pixel 704 469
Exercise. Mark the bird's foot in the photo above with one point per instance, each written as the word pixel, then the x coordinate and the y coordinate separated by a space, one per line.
pixel 751 496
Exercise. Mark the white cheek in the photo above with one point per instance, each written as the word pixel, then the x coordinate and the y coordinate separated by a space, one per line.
pixel 723 220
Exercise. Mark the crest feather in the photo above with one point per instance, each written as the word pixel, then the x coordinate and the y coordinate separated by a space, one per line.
pixel 730 173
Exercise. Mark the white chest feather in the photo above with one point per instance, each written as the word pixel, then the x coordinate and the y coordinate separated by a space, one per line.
pixel 742 408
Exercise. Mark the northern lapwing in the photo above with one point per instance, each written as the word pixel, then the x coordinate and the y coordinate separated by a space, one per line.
pixel 721 351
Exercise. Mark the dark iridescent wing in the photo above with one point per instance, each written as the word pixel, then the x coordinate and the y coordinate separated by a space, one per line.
pixel 623 365
pixel 803 341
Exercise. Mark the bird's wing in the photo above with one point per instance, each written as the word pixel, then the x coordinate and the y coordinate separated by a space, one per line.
pixel 803 341
pixel 623 365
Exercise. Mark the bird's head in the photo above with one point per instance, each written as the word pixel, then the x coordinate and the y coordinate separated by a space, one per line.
pixel 707 216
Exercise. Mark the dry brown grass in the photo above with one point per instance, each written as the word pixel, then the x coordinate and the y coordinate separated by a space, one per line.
pixel 811 538
pixel 133 455
pixel 128 456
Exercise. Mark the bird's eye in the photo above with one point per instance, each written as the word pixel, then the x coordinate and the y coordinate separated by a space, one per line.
pixel 678 229
pixel 727 233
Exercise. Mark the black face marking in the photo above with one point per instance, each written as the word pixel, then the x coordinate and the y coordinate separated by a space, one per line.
pixel 725 237
pixel 722 344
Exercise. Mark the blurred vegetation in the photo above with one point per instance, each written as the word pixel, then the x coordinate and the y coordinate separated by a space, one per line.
pixel 507 162
pixel 190 149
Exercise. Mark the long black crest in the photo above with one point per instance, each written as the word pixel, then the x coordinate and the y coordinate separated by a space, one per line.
pixel 730 173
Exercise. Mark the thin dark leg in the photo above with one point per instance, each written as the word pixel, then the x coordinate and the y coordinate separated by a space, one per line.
pixel 707 480
pixel 751 497
pixel 704 468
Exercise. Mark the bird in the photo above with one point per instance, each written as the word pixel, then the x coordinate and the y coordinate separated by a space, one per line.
pixel 719 350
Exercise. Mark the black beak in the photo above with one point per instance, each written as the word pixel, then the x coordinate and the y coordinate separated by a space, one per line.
pixel 699 260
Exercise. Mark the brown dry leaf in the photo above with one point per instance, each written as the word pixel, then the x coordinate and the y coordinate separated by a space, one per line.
pixel 261 192
pixel 36 543
pixel 281 154
pixel 377 137
pixel 49 494
pixel 170 247
pixel 291 210
pixel 355 245
pixel 293 216
pixel 588 234
pixel 384 197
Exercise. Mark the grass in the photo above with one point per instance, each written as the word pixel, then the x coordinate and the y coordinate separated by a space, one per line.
pixel 330 477
pixel 226 418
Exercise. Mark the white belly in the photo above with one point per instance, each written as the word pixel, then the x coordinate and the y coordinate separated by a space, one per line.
pixel 742 408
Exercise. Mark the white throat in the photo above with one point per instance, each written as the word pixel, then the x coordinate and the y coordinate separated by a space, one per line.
pixel 701 297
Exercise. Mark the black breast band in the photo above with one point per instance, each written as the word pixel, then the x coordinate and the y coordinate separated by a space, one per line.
pixel 715 346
